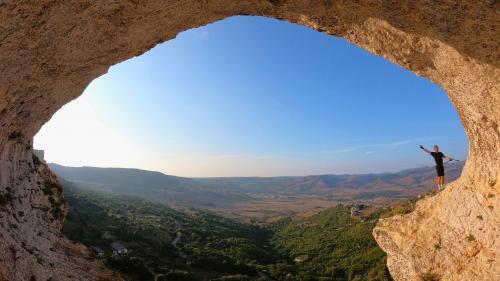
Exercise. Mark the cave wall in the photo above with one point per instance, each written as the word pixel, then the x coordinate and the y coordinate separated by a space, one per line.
pixel 51 50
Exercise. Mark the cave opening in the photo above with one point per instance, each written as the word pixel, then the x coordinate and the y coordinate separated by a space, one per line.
pixel 253 96
pixel 68 46
pixel 245 97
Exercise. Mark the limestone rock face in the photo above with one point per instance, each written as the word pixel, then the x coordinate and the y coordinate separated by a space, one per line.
pixel 51 50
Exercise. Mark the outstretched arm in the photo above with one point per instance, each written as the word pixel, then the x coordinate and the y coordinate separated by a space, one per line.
pixel 448 158
pixel 425 149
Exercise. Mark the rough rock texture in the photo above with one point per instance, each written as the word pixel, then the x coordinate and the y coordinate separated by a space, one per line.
pixel 32 210
pixel 51 50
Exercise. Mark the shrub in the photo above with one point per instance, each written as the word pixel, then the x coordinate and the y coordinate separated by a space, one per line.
pixel 16 136
pixel 437 246
pixel 6 198
pixel 471 238
pixel 237 277
pixel 403 208
pixel 47 189
pixel 49 186
pixel 429 276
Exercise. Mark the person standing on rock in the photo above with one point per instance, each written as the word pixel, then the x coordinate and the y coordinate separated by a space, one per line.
pixel 438 157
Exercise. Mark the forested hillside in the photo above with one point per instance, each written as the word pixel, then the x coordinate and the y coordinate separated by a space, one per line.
pixel 333 244
pixel 191 244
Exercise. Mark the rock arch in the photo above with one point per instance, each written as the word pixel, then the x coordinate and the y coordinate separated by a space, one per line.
pixel 51 50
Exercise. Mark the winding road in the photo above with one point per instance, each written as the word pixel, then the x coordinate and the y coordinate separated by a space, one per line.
pixel 178 228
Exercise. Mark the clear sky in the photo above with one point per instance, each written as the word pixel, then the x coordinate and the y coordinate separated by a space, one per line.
pixel 250 96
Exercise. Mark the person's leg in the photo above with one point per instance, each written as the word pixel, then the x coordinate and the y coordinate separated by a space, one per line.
pixel 440 172
pixel 438 181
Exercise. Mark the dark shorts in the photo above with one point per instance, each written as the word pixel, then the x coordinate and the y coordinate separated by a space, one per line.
pixel 440 170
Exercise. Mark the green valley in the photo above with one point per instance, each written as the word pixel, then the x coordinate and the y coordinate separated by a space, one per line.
pixel 165 243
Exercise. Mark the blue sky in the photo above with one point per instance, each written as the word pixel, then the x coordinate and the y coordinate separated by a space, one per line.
pixel 254 96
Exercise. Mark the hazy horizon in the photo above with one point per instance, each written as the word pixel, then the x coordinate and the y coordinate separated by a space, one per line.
pixel 251 96
pixel 275 176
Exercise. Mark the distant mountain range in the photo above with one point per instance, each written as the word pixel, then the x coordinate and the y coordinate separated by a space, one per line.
pixel 230 190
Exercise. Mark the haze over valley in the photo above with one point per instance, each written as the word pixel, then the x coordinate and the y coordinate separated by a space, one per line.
pixel 258 198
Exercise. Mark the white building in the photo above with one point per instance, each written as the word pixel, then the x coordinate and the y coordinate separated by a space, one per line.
pixel 118 249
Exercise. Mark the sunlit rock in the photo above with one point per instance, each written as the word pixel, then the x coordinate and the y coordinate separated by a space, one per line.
pixel 51 50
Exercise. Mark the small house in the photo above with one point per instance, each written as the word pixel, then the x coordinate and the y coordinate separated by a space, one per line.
pixel 356 209
pixel 118 249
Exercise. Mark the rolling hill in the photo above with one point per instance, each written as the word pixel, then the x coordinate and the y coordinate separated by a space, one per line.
pixel 223 192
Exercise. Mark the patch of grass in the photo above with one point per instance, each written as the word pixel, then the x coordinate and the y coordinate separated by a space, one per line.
pixel 16 136
pixel 429 276
pixel 490 195
pixel 479 217
pixel 491 207
pixel 403 208
pixel 470 238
